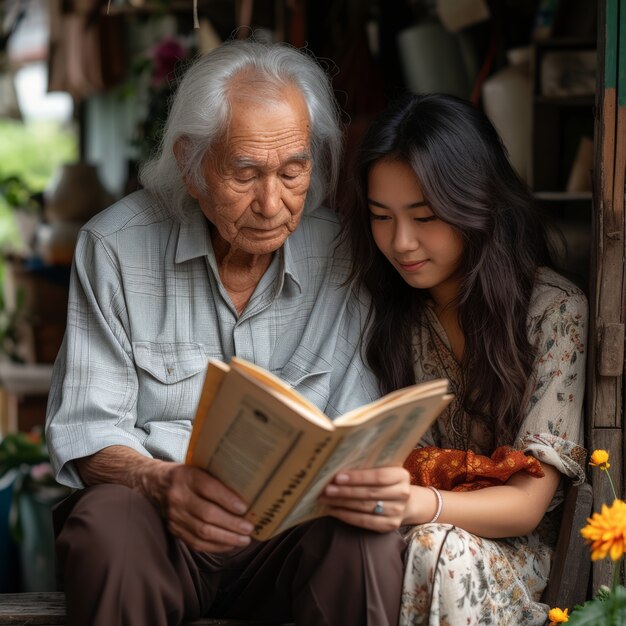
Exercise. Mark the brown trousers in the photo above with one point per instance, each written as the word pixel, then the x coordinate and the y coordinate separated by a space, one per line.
pixel 120 566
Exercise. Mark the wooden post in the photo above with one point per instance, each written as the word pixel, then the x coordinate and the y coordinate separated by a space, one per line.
pixel 605 401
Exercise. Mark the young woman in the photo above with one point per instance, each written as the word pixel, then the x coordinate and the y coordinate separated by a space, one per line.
pixel 445 238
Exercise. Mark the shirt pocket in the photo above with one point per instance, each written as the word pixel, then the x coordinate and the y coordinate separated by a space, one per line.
pixel 170 377
pixel 308 374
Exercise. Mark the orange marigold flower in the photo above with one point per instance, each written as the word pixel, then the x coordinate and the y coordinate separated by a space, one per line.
pixel 556 616
pixel 600 459
pixel 606 531
pixel 34 437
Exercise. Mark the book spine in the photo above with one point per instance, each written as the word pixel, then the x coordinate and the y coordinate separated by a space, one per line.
pixel 272 513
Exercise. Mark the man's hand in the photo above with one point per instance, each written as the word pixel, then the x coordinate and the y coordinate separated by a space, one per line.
pixel 375 499
pixel 198 509
pixel 203 512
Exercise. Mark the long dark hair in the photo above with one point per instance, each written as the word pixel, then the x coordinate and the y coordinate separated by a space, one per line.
pixel 466 178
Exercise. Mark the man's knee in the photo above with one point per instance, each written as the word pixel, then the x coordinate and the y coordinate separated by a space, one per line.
pixel 108 520
pixel 348 546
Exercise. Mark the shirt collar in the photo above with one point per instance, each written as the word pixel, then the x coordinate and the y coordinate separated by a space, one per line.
pixel 194 240
pixel 290 268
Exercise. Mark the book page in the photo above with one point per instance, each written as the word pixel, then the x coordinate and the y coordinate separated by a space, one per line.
pixel 275 383
pixel 396 398
pixel 398 442
pixel 352 451
pixel 198 444
pixel 272 384
pixel 290 484
pixel 253 448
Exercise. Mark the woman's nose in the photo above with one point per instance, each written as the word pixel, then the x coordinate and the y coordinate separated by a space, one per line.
pixel 405 239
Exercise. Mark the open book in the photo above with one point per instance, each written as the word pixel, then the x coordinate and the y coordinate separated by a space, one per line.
pixel 278 451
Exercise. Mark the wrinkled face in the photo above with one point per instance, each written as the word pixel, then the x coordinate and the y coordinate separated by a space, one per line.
pixel 258 180
pixel 424 249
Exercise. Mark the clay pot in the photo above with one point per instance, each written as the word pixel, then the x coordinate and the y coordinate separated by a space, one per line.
pixel 55 242
pixel 76 194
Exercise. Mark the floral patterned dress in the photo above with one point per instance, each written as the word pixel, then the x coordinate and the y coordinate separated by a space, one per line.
pixel 454 578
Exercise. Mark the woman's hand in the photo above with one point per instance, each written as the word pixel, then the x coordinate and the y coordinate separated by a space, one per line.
pixel 375 499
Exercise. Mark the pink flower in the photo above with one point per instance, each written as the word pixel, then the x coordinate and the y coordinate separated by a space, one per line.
pixel 165 55
pixel 42 470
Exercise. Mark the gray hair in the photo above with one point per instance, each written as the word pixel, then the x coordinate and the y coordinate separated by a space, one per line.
pixel 200 114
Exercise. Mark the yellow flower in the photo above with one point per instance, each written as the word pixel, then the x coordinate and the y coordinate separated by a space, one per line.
pixel 556 616
pixel 606 531
pixel 600 459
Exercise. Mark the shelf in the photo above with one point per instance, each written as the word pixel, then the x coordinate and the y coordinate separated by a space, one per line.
pixel 563 196
pixel 567 101
pixel 23 395
pixel 27 379
pixel 565 43
pixel 564 103
pixel 150 7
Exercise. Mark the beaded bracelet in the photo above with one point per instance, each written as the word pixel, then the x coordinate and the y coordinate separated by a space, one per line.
pixel 439 503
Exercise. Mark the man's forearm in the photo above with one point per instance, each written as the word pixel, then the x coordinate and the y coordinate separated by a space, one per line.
pixel 123 466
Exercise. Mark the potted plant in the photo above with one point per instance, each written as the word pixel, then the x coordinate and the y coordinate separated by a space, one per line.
pixel 18 197
pixel 10 330
pixel 26 470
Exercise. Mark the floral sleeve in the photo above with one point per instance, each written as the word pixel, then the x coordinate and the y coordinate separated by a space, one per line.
pixel 553 428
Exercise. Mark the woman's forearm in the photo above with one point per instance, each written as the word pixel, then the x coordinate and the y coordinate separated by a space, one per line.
pixel 510 510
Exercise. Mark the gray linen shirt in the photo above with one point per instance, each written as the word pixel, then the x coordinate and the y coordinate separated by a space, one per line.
pixel 147 310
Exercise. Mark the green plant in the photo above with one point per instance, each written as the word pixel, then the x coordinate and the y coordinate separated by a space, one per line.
pixel 17 449
pixel 11 322
pixel 26 455
pixel 34 151
pixel 30 154
pixel 18 194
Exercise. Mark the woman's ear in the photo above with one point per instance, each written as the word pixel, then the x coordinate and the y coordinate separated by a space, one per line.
pixel 180 153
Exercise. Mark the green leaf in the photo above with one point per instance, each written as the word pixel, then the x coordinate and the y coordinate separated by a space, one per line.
pixel 607 609
pixel 592 613
pixel 17 449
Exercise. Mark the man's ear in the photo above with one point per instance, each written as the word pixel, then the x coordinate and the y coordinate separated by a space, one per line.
pixel 180 153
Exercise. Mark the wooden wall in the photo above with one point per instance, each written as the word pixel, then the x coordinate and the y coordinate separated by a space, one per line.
pixel 605 397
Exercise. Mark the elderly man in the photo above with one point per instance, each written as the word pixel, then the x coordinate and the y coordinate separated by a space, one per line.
pixel 226 252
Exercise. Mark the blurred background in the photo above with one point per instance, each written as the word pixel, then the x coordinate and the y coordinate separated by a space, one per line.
pixel 84 88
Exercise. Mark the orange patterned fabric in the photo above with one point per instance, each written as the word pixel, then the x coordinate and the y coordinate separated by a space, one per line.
pixel 458 470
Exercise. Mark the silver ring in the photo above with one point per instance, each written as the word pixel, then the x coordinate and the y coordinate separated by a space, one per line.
pixel 379 508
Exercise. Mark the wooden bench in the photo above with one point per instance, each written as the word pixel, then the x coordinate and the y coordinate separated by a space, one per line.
pixel 569 576
pixel 567 586
pixel 48 609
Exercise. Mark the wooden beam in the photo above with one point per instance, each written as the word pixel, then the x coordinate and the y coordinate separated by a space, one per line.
pixel 605 400
pixel 608 310
pixel 609 439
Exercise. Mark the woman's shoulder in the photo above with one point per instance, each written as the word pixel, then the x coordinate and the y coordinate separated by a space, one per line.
pixel 554 295
pixel 551 287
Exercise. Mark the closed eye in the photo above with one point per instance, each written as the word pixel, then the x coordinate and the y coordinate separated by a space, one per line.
pixel 294 171
pixel 379 218
pixel 245 175
pixel 424 220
